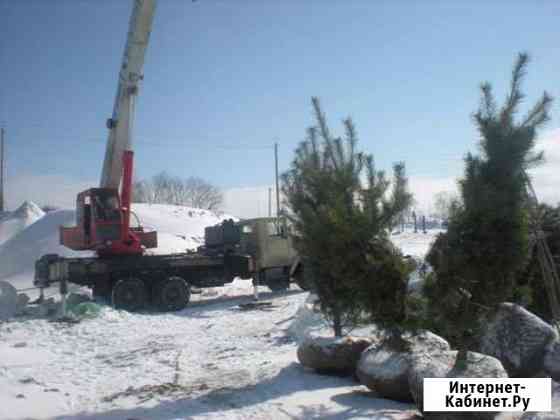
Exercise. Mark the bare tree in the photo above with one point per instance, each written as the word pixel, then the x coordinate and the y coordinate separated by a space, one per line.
pixel 203 194
pixel 165 189
pixel 443 201
pixel 142 192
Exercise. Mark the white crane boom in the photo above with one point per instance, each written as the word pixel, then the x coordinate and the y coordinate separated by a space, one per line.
pixel 120 124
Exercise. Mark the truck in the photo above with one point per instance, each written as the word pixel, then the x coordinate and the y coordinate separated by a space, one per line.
pixel 258 250
pixel 121 271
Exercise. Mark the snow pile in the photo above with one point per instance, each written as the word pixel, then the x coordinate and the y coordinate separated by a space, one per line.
pixel 308 321
pixel 179 228
pixel 19 253
pixel 11 223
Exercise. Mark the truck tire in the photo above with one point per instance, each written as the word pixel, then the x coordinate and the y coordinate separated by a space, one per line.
pixel 171 294
pixel 129 294
pixel 276 280
pixel 301 279
pixel 278 285
pixel 101 290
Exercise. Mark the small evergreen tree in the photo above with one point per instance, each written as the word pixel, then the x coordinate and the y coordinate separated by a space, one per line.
pixel 341 215
pixel 476 262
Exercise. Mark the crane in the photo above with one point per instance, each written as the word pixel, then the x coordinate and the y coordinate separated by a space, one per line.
pixel 122 272
pixel 102 215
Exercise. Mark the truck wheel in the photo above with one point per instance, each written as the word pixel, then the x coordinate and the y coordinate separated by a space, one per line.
pixel 276 279
pixel 171 294
pixel 277 285
pixel 129 294
pixel 303 278
pixel 101 290
pixel 301 281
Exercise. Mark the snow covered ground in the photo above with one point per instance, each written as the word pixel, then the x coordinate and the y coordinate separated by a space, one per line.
pixel 212 360
pixel 415 244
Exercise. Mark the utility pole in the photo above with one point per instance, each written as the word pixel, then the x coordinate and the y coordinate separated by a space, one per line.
pixel 269 201
pixel 2 170
pixel 277 190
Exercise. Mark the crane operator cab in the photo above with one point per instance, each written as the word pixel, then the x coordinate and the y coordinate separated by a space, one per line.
pixel 101 226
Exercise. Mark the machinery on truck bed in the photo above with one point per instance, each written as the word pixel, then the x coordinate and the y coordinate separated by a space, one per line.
pixel 121 271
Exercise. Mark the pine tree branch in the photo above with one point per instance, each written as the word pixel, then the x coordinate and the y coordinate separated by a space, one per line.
pixel 539 114
pixel 515 95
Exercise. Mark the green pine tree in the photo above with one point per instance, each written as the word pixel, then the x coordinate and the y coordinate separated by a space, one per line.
pixel 342 213
pixel 476 262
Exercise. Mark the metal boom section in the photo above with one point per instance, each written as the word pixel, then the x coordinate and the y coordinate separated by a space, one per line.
pixel 120 124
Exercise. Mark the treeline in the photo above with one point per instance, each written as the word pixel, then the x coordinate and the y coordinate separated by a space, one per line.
pixel 165 189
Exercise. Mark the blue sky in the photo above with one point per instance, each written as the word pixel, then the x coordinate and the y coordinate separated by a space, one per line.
pixel 225 79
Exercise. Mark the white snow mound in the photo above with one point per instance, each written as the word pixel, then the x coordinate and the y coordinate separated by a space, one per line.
pixel 20 252
pixel 179 227
pixel 11 223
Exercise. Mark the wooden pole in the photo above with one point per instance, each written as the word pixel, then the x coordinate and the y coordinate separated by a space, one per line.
pixel 2 205
pixel 277 187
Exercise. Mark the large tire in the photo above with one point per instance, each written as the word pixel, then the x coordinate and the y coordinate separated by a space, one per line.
pixel 276 280
pixel 302 280
pixel 129 294
pixel 101 290
pixel 278 285
pixel 171 294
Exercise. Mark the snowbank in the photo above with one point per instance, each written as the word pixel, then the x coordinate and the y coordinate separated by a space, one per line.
pixel 11 223
pixel 308 321
pixel 179 228
pixel 20 252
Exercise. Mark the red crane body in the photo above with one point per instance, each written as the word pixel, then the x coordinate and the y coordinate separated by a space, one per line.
pixel 103 220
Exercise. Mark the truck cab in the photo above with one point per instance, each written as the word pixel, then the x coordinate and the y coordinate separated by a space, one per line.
pixel 267 240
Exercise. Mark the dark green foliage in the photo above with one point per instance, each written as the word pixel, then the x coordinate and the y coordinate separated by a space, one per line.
pixel 341 213
pixel 477 261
